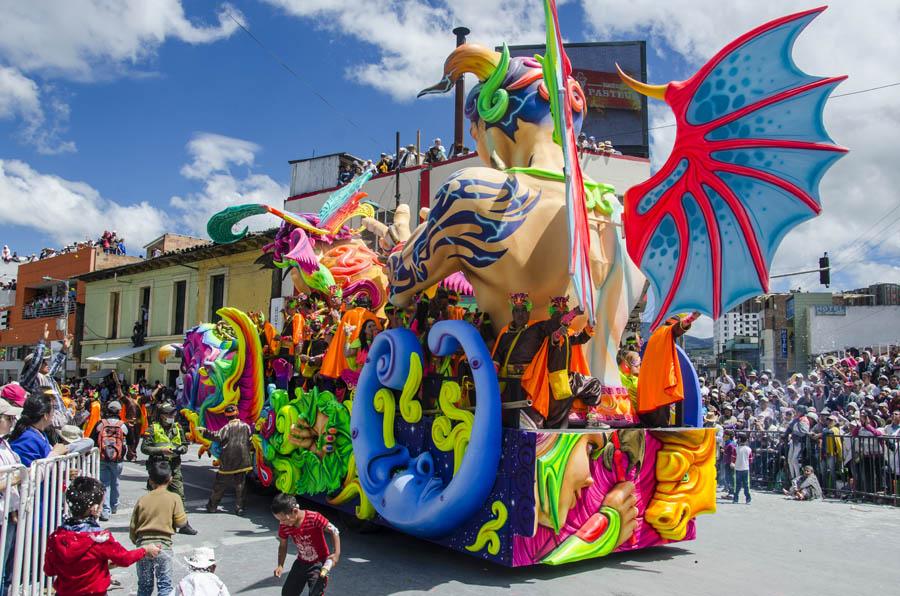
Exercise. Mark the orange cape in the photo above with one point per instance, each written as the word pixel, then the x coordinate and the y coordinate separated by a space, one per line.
pixel 334 361
pixel 536 380
pixel 659 383
pixel 457 313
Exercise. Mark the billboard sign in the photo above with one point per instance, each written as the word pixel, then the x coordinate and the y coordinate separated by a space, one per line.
pixel 784 343
pixel 615 112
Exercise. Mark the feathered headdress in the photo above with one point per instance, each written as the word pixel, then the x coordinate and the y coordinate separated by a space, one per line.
pixel 558 304
pixel 520 299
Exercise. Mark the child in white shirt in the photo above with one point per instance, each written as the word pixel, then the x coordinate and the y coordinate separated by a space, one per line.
pixel 202 580
pixel 740 463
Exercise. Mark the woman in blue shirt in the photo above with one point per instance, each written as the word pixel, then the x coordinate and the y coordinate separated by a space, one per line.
pixel 27 438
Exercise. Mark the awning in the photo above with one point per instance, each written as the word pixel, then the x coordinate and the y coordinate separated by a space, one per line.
pixel 98 375
pixel 114 355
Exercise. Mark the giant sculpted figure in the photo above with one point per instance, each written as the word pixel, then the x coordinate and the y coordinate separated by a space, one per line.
pixel 504 224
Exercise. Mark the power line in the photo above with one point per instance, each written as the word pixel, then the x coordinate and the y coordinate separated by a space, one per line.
pixel 866 245
pixel 311 89
pixel 671 124
pixel 866 90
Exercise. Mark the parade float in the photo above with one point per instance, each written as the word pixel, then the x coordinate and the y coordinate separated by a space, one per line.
pixel 439 463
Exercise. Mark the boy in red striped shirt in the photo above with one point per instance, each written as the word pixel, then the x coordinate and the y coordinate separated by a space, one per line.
pixel 307 530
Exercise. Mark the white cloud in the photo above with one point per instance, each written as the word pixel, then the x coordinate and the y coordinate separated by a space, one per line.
pixel 413 37
pixel 82 40
pixel 212 153
pixel 861 187
pixel 68 211
pixel 19 95
pixel 20 98
pixel 212 158
pixel 76 38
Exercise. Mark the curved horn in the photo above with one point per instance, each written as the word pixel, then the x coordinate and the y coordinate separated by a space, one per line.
pixel 654 91
pixel 469 57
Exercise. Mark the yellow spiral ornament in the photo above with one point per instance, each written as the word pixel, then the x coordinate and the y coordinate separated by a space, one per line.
pixel 446 435
pixel 487 535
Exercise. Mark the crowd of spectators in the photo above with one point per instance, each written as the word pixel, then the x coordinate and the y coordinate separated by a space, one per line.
pixel 111 243
pixel 586 143
pixel 842 420
pixel 48 305
pixel 8 285
pixel 407 157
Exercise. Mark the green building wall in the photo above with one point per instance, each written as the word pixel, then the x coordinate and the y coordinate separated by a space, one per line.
pixel 98 322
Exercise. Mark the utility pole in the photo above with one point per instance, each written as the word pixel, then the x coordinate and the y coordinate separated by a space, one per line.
pixel 460 33
pixel 397 171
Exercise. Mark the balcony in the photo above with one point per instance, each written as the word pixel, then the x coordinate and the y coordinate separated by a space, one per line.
pixel 32 311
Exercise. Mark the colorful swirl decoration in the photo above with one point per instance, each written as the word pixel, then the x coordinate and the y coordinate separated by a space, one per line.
pixel 407 491
pixel 310 449
pixel 220 370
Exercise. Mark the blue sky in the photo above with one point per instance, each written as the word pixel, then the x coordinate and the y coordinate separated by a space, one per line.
pixel 152 115
pixel 131 128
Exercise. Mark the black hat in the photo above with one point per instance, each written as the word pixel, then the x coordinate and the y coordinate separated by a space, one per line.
pixel 167 407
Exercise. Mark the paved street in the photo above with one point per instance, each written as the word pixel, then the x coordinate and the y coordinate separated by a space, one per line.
pixel 771 547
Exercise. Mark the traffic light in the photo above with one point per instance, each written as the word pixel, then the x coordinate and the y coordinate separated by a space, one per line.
pixel 824 271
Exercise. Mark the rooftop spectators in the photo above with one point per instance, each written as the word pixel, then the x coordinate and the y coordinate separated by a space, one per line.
pixel 435 153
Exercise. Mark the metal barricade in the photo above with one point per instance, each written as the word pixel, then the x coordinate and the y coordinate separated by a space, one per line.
pixel 42 509
pixel 10 479
pixel 862 467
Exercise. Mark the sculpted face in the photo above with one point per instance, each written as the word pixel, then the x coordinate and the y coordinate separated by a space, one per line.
pixel 686 477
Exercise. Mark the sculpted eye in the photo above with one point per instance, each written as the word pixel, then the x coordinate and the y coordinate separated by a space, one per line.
pixel 686 477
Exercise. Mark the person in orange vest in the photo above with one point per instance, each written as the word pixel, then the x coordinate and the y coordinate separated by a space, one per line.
pixel 559 373
pixel 454 311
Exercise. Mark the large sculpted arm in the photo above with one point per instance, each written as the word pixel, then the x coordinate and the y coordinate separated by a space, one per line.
pixel 469 227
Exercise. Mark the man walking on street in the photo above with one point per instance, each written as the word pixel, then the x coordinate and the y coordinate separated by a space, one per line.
pixel 110 439
pixel 165 441
pixel 235 459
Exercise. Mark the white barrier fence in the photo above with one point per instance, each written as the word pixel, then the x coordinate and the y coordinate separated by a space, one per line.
pixel 42 508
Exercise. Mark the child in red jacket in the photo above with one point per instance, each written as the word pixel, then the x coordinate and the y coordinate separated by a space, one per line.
pixel 79 552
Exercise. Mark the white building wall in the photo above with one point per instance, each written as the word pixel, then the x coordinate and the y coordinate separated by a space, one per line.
pixel 858 326
pixel 619 171
pixel 732 324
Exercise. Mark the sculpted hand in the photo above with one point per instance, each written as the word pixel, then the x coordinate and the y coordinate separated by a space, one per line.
pixel 621 498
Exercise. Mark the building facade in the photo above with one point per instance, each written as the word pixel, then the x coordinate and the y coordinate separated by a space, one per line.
pixel 736 322
pixel 41 299
pixel 167 295
pixel 776 333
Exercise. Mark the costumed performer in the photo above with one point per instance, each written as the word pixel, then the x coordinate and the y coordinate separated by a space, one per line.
pixel 235 459
pixel 660 384
pixel 559 372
